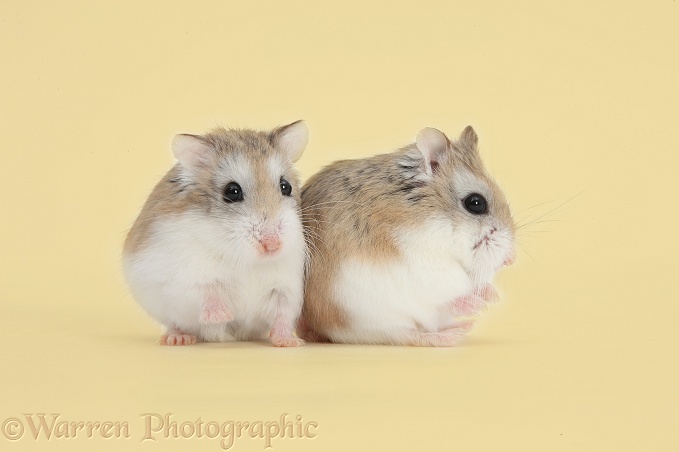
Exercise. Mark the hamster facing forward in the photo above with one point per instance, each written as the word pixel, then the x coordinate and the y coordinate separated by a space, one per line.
pixel 217 252
pixel 404 245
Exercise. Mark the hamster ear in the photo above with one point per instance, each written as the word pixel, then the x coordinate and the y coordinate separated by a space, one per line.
pixel 189 149
pixel 291 139
pixel 469 138
pixel 432 143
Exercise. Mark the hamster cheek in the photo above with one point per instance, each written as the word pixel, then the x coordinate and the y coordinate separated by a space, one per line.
pixel 291 232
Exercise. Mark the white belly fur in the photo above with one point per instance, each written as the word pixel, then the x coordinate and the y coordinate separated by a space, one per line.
pixel 168 278
pixel 385 300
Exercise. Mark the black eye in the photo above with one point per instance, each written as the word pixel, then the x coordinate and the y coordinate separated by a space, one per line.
pixel 476 204
pixel 233 193
pixel 286 188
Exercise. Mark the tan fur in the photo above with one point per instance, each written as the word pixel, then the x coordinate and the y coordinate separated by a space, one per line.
pixel 351 209
pixel 175 195
pixel 162 202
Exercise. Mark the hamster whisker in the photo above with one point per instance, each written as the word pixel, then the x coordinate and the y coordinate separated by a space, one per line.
pixel 537 205
pixel 526 251
pixel 550 212
pixel 523 232
pixel 309 252
pixel 537 220
pixel 313 234
pixel 313 214
pixel 313 249
pixel 328 202
pixel 524 222
pixel 314 220
pixel 548 221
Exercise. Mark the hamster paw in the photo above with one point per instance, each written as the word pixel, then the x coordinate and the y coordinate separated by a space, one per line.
pixel 469 305
pixel 464 327
pixel 290 341
pixel 488 293
pixel 214 311
pixel 446 338
pixel 279 339
pixel 177 338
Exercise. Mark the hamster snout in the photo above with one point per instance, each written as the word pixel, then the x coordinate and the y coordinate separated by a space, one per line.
pixel 268 237
pixel 496 238
pixel 270 242
pixel 486 238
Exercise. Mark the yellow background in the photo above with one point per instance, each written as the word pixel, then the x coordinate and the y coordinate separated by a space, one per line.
pixel 569 98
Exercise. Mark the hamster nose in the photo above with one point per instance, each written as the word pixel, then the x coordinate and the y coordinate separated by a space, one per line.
pixel 270 242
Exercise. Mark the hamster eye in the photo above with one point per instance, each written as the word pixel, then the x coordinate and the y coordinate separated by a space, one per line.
pixel 232 193
pixel 476 204
pixel 286 188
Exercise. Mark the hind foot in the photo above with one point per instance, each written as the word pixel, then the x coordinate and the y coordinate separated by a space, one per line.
pixel 286 341
pixel 281 334
pixel 446 338
pixel 177 338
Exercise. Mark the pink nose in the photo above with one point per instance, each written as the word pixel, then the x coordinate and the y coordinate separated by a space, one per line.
pixel 270 242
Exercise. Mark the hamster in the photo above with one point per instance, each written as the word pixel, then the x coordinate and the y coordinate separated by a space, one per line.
pixel 403 246
pixel 217 252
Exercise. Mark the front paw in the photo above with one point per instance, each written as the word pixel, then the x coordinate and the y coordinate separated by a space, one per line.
pixel 487 293
pixel 469 305
pixel 214 311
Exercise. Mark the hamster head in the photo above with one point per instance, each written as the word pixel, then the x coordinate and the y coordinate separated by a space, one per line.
pixel 244 189
pixel 483 229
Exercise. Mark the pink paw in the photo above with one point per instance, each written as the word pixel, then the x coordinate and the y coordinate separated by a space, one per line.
pixel 447 338
pixel 468 305
pixel 214 311
pixel 465 327
pixel 488 293
pixel 177 339
pixel 285 341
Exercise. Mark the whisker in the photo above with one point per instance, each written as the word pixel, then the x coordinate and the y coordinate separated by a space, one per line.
pixel 537 205
pixel 550 212
pixel 328 202
pixel 525 251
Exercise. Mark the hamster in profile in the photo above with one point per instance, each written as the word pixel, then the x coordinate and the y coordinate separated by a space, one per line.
pixel 217 252
pixel 404 245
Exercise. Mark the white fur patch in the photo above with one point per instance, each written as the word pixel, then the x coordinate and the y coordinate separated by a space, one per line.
pixel 237 168
pixel 385 301
pixel 276 168
pixel 191 253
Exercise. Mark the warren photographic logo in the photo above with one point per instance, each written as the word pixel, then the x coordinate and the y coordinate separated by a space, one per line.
pixel 154 427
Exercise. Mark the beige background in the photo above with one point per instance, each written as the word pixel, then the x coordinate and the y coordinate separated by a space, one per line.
pixel 569 98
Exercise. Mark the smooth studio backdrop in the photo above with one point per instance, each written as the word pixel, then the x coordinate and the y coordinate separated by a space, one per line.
pixel 572 101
